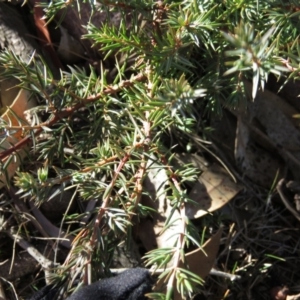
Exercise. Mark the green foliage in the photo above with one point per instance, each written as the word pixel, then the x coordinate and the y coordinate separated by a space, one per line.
pixel 97 133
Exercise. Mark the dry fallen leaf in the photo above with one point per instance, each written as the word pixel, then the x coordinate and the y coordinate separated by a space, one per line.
pixel 213 190
pixel 13 116
pixel 45 39
pixel 199 261
pixel 150 231
pixel 271 115
pixel 272 121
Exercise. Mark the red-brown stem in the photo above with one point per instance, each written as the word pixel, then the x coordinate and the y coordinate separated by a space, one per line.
pixel 106 200
pixel 66 112
pixel 137 193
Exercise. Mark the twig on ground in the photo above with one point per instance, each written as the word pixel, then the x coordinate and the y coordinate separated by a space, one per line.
pixel 213 272
pixel 45 262
pixel 285 200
